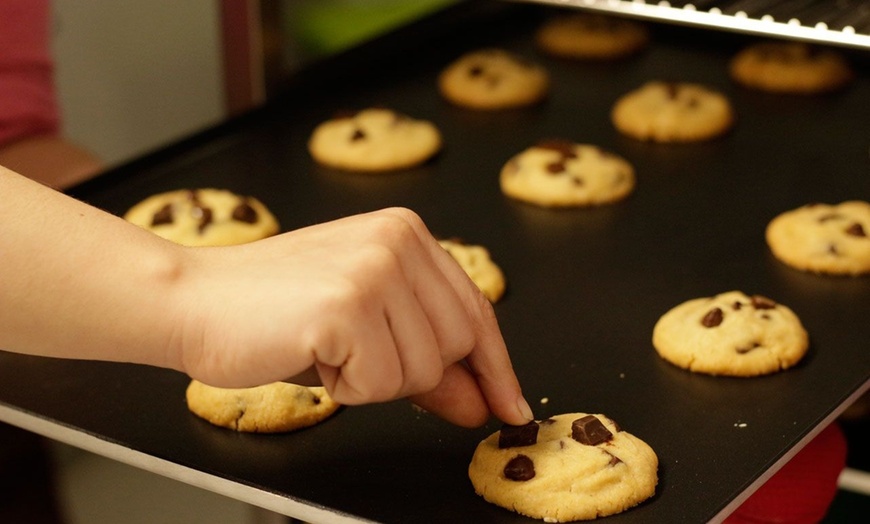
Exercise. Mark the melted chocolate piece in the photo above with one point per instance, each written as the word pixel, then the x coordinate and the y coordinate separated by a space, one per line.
pixel 760 302
pixel 713 318
pixel 590 431
pixel 554 168
pixel 737 305
pixel 163 216
pixel 475 71
pixel 672 90
pixel 520 468
pixel 832 249
pixel 205 216
pixel 614 460
pixel 358 134
pixel 244 212
pixel 856 230
pixel 517 436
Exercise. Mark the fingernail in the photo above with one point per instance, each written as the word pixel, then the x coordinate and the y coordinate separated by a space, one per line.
pixel 524 409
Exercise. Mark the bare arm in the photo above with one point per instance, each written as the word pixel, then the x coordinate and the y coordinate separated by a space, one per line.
pixel 371 301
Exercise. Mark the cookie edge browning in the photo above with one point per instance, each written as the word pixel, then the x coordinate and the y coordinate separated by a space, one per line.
pixel 223 407
pixel 688 360
pixel 479 475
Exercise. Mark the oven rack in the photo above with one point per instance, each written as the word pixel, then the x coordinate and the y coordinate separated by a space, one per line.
pixel 837 22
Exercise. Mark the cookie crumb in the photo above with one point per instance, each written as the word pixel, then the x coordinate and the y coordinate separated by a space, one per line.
pixel 544 400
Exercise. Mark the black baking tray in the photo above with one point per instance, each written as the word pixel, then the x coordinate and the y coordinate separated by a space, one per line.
pixel 585 286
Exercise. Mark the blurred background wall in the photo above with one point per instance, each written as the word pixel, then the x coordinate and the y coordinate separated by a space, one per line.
pixel 133 76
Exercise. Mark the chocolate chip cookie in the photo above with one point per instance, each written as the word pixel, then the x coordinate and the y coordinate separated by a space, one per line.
pixel 731 334
pixel 560 173
pixel 823 238
pixel 272 408
pixel 493 79
pixel 673 112
pixel 790 67
pixel 204 217
pixel 477 263
pixel 573 466
pixel 591 36
pixel 374 140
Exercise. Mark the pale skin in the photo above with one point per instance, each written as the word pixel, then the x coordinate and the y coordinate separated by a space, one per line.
pixel 372 302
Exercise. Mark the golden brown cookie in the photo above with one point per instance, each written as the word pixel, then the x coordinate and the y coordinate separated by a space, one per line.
pixel 272 408
pixel 591 36
pixel 568 467
pixel 560 173
pixel 374 140
pixel 673 112
pixel 790 67
pixel 204 217
pixel 823 238
pixel 493 79
pixel 477 263
pixel 731 334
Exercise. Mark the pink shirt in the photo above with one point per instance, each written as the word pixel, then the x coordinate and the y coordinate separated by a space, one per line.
pixel 27 98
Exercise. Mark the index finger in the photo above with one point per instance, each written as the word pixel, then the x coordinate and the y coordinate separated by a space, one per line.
pixel 490 364
pixel 488 361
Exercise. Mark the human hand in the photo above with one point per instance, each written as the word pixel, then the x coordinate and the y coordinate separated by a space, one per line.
pixel 371 301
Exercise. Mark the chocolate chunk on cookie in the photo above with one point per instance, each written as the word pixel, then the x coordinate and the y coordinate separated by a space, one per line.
pixel 517 436
pixel 558 478
pixel 731 334
pixel 823 238
pixel 590 431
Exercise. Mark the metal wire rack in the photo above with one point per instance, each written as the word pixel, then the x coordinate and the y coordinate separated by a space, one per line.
pixel 837 22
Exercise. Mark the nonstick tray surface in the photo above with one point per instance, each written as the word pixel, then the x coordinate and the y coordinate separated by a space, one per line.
pixel 585 286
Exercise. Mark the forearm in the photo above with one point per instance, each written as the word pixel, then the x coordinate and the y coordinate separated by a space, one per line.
pixel 77 282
